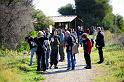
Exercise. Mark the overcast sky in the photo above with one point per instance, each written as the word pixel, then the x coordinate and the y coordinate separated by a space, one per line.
pixel 50 7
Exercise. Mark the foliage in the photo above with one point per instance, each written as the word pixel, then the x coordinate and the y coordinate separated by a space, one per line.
pixel 16 22
pixel 40 20
pixel 24 46
pixel 119 22
pixel 67 10
pixel 33 34
pixel 93 11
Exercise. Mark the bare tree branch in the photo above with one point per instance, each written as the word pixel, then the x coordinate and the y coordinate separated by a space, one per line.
pixel 10 1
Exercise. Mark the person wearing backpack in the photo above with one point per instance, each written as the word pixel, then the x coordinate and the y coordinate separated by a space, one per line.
pixel 33 48
pixel 41 64
pixel 87 46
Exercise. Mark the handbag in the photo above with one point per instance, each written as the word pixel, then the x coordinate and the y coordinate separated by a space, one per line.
pixel 75 48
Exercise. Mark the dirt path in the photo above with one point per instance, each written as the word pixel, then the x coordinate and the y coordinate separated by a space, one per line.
pixel 78 75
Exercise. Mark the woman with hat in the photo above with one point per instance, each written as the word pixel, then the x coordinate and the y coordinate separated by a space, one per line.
pixel 41 65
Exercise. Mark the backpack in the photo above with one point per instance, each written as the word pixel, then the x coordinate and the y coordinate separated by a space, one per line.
pixel 75 45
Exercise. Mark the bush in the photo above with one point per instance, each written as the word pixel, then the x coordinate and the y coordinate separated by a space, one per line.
pixel 24 47
pixel 33 34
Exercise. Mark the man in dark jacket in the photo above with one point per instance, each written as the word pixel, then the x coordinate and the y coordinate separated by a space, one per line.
pixel 100 44
pixel 70 56
pixel 54 42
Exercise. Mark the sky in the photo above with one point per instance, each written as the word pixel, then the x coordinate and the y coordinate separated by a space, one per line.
pixel 50 7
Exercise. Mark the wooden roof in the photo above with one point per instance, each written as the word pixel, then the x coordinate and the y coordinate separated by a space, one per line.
pixel 63 18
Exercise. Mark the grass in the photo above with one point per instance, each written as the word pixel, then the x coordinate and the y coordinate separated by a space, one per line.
pixel 14 65
pixel 14 68
pixel 112 70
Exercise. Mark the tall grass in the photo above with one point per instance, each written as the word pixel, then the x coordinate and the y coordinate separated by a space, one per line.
pixel 14 68
pixel 6 75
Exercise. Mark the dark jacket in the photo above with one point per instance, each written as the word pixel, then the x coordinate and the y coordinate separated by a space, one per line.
pixel 39 42
pixel 31 43
pixel 55 44
pixel 100 39
pixel 69 43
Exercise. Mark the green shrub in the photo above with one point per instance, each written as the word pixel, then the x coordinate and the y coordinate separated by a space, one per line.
pixel 24 47
pixel 33 34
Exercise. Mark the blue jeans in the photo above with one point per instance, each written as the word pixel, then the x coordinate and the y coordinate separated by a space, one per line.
pixel 32 51
pixel 70 60
pixel 47 53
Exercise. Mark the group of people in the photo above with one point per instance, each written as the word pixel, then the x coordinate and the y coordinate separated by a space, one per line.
pixel 48 46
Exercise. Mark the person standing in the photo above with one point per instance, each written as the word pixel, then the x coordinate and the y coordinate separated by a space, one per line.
pixel 87 46
pixel 75 43
pixel 41 65
pixel 54 42
pixel 70 56
pixel 61 46
pixel 100 44
pixel 48 48
pixel 33 48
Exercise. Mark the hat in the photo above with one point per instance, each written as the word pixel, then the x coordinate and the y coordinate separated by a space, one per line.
pixel 40 34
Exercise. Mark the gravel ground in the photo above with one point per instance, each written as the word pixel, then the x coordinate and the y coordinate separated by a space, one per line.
pixel 80 74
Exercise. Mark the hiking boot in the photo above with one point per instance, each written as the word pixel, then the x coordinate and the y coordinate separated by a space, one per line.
pixel 87 67
pixel 99 62
pixel 73 69
pixel 55 67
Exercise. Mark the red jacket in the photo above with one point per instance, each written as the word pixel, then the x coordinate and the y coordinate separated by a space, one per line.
pixel 87 45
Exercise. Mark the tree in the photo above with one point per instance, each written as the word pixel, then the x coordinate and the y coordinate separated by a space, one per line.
pixel 119 22
pixel 93 12
pixel 40 20
pixel 85 10
pixel 15 22
pixel 67 10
